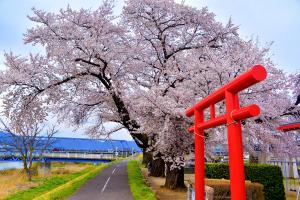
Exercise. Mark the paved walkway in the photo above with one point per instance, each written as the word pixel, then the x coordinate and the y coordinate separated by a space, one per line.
pixel 110 184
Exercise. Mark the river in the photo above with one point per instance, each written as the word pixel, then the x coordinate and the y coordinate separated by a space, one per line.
pixel 11 165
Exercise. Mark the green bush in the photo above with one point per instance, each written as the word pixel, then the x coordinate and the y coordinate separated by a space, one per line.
pixel 267 175
pixel 222 189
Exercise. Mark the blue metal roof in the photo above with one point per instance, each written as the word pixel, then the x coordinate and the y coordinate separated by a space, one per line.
pixel 133 145
pixel 87 145
pixel 79 144
pixel 4 140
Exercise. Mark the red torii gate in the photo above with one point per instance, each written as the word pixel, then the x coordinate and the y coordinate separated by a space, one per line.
pixel 289 127
pixel 231 118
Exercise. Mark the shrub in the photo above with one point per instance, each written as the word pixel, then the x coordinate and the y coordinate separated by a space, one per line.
pixel 269 176
pixel 222 189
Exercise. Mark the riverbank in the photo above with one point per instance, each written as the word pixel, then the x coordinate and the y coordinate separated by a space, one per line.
pixel 14 184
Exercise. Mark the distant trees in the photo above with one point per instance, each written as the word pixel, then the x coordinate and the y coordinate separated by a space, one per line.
pixel 141 70
pixel 29 140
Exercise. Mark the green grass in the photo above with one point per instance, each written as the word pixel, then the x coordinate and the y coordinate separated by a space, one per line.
pixel 139 189
pixel 58 187
pixel 70 187
pixel 48 184
pixel 139 157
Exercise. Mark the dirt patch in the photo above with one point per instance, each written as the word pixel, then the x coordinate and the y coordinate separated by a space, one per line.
pixel 162 193
pixel 291 195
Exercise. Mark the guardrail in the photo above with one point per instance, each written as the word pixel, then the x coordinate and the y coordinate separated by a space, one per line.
pixel 79 155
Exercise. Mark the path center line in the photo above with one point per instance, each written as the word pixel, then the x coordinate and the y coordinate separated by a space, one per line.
pixel 105 185
pixel 113 171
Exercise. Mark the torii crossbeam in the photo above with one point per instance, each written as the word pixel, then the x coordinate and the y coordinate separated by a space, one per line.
pixel 231 118
pixel 289 127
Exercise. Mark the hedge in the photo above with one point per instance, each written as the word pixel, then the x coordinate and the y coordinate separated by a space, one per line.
pixel 268 175
pixel 254 191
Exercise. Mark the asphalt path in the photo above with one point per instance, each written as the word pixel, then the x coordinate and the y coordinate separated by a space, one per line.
pixel 110 184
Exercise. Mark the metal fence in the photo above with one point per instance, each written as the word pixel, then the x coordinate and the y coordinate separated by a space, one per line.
pixel 290 173
pixel 209 192
pixel 190 192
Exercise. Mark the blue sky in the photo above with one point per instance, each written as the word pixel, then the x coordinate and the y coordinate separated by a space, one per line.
pixel 270 20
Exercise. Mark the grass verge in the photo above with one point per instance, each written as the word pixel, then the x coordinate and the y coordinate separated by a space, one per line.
pixel 58 187
pixel 70 187
pixel 138 187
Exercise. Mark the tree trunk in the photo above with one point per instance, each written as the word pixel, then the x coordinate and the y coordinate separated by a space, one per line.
pixel 27 171
pixel 174 178
pixel 147 157
pixel 157 168
pixel 253 159
pixel 29 175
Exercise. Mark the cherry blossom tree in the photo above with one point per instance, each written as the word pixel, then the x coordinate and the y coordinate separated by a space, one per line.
pixel 165 32
pixel 26 138
pixel 185 55
pixel 296 93
pixel 141 70
pixel 81 77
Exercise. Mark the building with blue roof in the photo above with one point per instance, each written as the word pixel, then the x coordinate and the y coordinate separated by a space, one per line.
pixel 82 145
